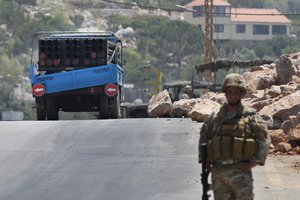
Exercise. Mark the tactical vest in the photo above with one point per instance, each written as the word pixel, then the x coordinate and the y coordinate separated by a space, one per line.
pixel 233 140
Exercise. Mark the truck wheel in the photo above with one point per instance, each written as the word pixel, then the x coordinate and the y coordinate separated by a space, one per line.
pixel 140 114
pixel 103 107
pixel 40 114
pixel 52 112
pixel 40 110
pixel 115 107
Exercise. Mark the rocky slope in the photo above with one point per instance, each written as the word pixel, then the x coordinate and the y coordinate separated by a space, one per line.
pixel 273 90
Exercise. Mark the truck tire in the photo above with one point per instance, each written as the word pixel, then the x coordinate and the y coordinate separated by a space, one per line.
pixel 52 111
pixel 40 114
pixel 103 107
pixel 140 114
pixel 40 110
pixel 115 107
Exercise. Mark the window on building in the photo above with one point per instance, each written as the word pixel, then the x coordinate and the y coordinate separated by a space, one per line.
pixel 261 29
pixel 219 28
pixel 279 29
pixel 220 11
pixel 198 11
pixel 240 28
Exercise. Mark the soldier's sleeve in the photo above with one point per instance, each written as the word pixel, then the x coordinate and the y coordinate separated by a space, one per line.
pixel 262 138
pixel 204 133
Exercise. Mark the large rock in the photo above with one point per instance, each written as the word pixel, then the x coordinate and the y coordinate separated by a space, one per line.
pixel 258 105
pixel 282 109
pixel 294 134
pixel 285 68
pixel 273 91
pixel 283 147
pixel 160 105
pixel 290 124
pixel 260 78
pixel 182 107
pixel 289 88
pixel 258 94
pixel 203 109
pixel 217 97
pixel 128 37
pixel 271 122
pixel 277 136
pixel 287 126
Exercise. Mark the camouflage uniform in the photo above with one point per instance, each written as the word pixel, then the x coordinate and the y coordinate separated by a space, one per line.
pixel 186 92
pixel 228 181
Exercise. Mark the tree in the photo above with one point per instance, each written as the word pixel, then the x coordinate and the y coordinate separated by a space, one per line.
pixel 279 43
pixel 177 40
pixel 261 50
pixel 171 42
pixel 22 27
pixel 160 3
pixel 162 41
pixel 134 66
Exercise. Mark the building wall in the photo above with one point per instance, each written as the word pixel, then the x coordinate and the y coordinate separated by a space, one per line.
pixel 230 28
pixel 248 35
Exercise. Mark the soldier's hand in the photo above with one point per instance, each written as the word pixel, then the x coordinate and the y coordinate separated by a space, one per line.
pixel 247 167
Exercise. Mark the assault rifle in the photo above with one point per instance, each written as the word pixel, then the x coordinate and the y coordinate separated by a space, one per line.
pixel 205 172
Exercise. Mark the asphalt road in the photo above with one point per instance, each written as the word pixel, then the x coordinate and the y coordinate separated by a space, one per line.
pixel 125 159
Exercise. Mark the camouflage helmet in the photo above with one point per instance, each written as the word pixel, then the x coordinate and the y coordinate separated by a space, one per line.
pixel 235 80
pixel 187 89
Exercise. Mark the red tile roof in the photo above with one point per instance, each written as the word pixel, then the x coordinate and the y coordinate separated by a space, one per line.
pixel 257 15
pixel 201 3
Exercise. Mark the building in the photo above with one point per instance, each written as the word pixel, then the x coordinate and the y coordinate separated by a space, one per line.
pixel 239 23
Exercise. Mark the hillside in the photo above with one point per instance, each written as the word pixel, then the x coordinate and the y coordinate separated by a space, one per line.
pixel 151 36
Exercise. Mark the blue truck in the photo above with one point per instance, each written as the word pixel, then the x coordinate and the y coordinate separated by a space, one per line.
pixel 77 72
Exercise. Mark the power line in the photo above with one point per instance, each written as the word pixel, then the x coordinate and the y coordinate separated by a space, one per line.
pixel 142 6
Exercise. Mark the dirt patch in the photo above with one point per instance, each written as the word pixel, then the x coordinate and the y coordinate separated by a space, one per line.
pixel 288 163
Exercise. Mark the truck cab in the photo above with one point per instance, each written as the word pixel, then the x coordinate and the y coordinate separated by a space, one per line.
pixel 198 88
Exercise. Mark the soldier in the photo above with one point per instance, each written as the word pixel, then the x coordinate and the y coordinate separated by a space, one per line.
pixel 237 142
pixel 187 92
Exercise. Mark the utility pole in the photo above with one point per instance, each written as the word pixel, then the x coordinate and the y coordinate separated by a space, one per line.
pixel 158 80
pixel 149 71
pixel 208 46
pixel 209 29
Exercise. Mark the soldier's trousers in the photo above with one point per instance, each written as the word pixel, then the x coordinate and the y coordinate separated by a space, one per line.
pixel 229 183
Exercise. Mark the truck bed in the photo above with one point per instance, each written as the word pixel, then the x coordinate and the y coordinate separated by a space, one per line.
pixel 77 79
